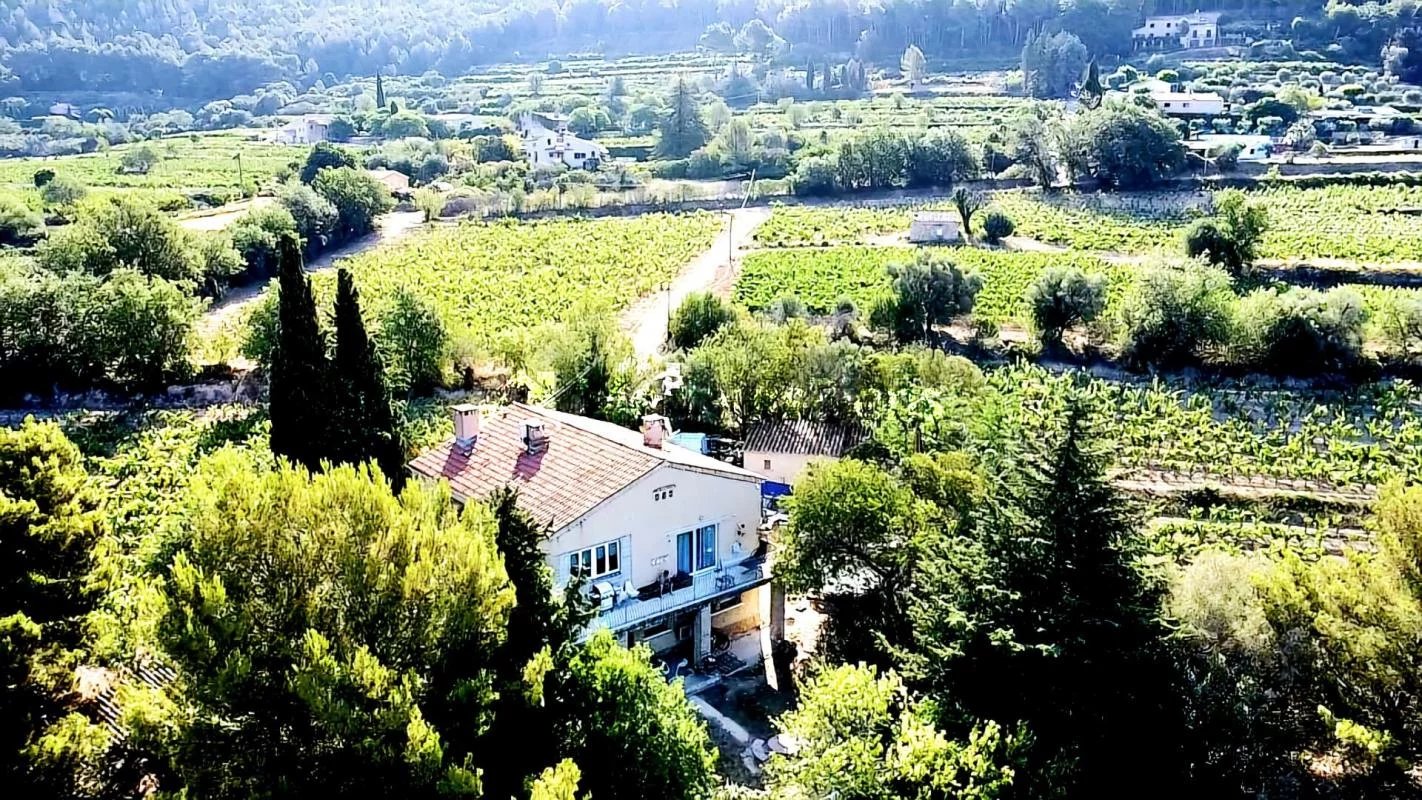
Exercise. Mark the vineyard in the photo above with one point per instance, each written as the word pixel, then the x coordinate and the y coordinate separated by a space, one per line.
pixel 488 278
pixel 186 162
pixel 806 226
pixel 1266 440
pixel 819 277
pixel 1370 224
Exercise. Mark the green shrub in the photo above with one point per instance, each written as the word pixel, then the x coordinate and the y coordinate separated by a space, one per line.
pixel 1301 330
pixel 1175 316
pixel 1062 297
pixel 997 226
pixel 699 315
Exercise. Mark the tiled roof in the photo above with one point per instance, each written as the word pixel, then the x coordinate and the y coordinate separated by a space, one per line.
pixel 803 437
pixel 586 462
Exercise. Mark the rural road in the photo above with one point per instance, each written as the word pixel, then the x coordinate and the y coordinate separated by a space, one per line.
pixel 389 228
pixel 646 320
pixel 219 218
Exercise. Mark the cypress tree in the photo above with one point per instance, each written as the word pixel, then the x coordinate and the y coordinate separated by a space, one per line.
pixel 379 91
pixel 363 423
pixel 299 372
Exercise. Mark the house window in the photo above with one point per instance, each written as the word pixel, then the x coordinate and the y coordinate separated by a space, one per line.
pixel 696 550
pixel 1184 105
pixel 656 629
pixel 579 156
pixel 767 463
pixel 595 562
pixel 664 493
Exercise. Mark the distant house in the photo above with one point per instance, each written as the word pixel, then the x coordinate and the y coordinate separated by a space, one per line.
pixel 669 539
pixel 396 182
pixel 64 110
pixel 1189 104
pixel 1200 29
pixel 935 227
pixel 1251 148
pixel 548 143
pixel 307 129
pixel 782 451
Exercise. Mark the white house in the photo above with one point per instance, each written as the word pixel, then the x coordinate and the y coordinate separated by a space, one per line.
pixel 668 538
pixel 934 227
pixel 548 143
pixel 1189 104
pixel 782 451
pixel 1251 147
pixel 1200 29
pixel 307 129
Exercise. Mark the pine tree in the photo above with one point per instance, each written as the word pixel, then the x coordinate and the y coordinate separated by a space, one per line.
pixel 300 374
pixel 379 91
pixel 1054 625
pixel 682 130
pixel 363 423
pixel 810 75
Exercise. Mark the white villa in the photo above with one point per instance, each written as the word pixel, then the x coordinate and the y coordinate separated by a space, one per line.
pixel 548 143
pixel 669 539
pixel 1189 104
pixel 307 129
pixel 1200 29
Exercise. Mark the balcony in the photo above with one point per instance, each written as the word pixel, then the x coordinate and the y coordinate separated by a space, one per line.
pixel 725 580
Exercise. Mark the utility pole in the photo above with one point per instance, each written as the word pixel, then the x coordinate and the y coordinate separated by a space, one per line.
pixel 667 339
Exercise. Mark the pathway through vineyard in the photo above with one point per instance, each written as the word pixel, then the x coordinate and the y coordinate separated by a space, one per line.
pixel 389 228
pixel 715 269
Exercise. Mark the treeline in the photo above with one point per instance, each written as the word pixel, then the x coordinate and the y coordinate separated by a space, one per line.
pixel 110 300
pixel 208 50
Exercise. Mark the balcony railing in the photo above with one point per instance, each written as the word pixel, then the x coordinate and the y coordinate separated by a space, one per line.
pixel 725 580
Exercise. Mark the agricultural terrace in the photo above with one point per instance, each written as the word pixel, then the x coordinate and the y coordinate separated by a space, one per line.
pixel 1347 442
pixel 1369 224
pixel 185 165
pixel 489 278
pixel 821 276
pixel 1366 224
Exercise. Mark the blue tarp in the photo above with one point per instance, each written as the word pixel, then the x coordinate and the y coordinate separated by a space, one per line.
pixel 773 489
pixel 695 442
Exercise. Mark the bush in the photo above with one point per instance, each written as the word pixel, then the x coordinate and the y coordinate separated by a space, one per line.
pixel 43 177
pixel 1175 316
pixel 1062 297
pixel 324 156
pixel 122 330
pixel 785 308
pixel 699 315
pixel 997 226
pixel 1231 237
pixel 62 192
pixel 416 343
pixel 1300 330
pixel 19 225
pixel 1227 160
pixel 815 176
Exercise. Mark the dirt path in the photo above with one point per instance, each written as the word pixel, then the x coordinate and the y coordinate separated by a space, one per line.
pixel 390 228
pixel 646 320
pixel 218 218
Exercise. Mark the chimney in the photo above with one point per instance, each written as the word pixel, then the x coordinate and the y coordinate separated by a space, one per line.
pixel 655 430
pixel 535 436
pixel 466 426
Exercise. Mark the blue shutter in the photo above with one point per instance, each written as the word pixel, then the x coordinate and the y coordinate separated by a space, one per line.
pixel 683 553
pixel 706 547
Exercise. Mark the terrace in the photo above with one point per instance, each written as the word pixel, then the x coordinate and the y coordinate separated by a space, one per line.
pixel 653 601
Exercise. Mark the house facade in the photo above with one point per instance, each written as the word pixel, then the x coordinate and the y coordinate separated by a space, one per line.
pixel 781 451
pixel 668 540
pixel 1189 104
pixel 1200 29
pixel 308 129
pixel 935 227
pixel 548 143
